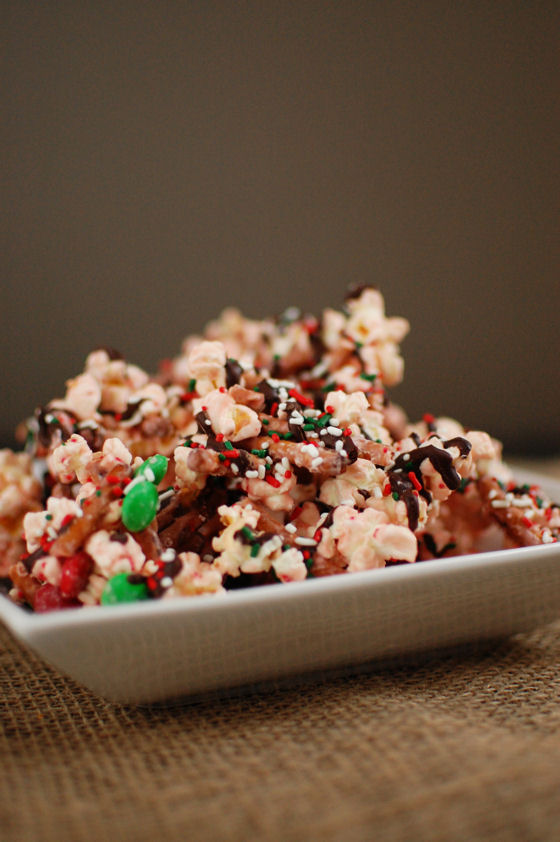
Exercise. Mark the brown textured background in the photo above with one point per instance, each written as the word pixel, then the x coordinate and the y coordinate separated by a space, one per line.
pixel 163 159
pixel 455 748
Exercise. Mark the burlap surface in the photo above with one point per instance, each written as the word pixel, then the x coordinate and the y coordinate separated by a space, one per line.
pixel 461 746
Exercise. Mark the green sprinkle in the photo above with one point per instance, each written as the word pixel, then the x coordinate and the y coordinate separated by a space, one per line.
pixel 540 502
pixel 264 420
pixel 394 495
pixel 261 453
pixel 369 377
pixel 322 422
pixel 192 384
pixel 255 550
pixel 286 436
pixel 228 445
pixel 48 517
pixel 308 427
pixel 98 493
pixel 221 457
pixel 330 387
pixel 248 533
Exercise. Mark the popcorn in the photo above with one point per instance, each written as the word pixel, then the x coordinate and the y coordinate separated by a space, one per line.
pixel 275 454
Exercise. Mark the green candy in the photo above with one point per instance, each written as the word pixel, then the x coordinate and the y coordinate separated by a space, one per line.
pixel 154 466
pixel 139 506
pixel 119 589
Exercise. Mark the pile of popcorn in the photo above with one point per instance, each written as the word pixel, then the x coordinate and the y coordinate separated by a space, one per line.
pixel 266 451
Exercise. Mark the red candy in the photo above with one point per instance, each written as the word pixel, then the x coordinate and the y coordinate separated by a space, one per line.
pixel 49 598
pixel 75 574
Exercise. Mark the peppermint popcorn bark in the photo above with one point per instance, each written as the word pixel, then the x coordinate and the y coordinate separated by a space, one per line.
pixel 267 451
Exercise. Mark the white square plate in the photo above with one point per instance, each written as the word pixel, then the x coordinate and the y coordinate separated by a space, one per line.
pixel 156 651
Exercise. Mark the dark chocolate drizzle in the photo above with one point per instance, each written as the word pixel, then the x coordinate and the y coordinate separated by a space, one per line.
pixel 350 449
pixel 403 486
pixel 233 372
pixel 30 560
pixel 271 395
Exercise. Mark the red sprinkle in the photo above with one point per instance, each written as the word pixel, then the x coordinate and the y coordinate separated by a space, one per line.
pixel 429 418
pixel 112 479
pixel 219 436
pixel 288 474
pixel 387 490
pixel 272 481
pixel 414 480
pixel 222 389
pixel 347 432
pixel 527 522
pixel 116 491
pixel 293 393
pixel 548 512
pixel 188 396
pixel 274 407
pixel 275 437
pixel 330 409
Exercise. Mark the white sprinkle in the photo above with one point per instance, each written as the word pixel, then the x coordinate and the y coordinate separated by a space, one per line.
pixel 133 420
pixel 311 449
pixel 290 527
pixel 500 504
pixel 334 431
pixel 88 425
pixel 547 537
pixel 166 582
pixel 261 472
pixel 348 502
pixel 149 474
pixel 297 421
pixel 406 457
pixel 251 474
pixel 377 492
pixel 522 502
pixel 136 481
pixel 285 463
pixel 306 542
pixel 207 422
pixel 208 558
pixel 168 555
pixel 234 469
pixel 317 461
pixel 339 445
pixel 492 494
pixel 165 494
pixel 268 460
pixel 334 421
